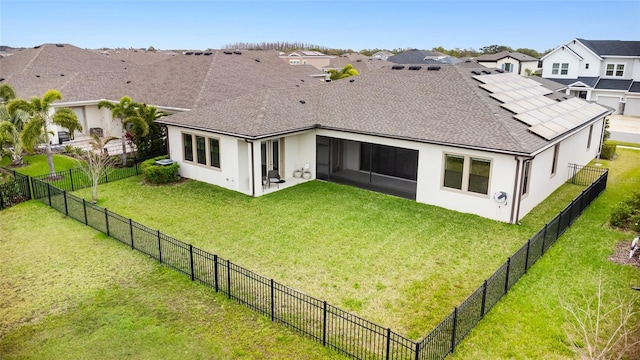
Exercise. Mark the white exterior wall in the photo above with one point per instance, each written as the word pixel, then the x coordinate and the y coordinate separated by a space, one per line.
pixel 588 57
pixel 514 63
pixel 226 177
pixel 635 72
pixel 573 150
pixel 531 65
pixel 628 67
pixel 561 56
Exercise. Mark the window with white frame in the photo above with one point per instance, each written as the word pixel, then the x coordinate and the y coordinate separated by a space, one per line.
pixel 590 135
pixel 508 67
pixel 294 62
pixel 555 69
pixel 615 70
pixel 564 70
pixel 466 173
pixel 205 152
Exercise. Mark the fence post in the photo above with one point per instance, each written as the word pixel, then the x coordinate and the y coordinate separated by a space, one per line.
pixel 29 187
pixel 229 279
pixel 136 166
pixel 49 193
pixel 272 301
pixel 71 178
pixel 66 208
pixel 506 278
pixel 484 298
pixel 215 271
pixel 453 331
pixel 159 248
pixel 106 177
pixel 544 237
pixel 388 343
pixel 1 201
pixel 131 232
pixel 417 350
pixel 526 259
pixel 191 261
pixel 84 207
pixel 324 323
pixel 106 220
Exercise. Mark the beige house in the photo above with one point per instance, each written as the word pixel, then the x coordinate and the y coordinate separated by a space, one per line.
pixel 308 57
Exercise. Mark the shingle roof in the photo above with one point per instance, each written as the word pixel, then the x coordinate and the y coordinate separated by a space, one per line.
pixel 587 80
pixel 443 107
pixel 416 57
pixel 181 81
pixel 503 54
pixel 613 47
pixel 614 84
pixel 548 83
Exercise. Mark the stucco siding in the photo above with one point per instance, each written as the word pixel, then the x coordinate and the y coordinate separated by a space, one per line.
pixel 572 150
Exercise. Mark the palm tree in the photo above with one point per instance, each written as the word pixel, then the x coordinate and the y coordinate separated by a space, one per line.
pixel 6 93
pixel 97 162
pixel 37 128
pixel 346 71
pixel 153 140
pixel 10 128
pixel 127 111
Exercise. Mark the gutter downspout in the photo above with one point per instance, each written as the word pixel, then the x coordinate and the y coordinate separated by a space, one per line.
pixel 515 189
pixel 252 172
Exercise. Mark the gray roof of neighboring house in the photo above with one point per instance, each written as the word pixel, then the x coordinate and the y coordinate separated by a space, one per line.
pixel 360 62
pixel 614 84
pixel 181 81
pixel 635 87
pixel 587 80
pixel 548 83
pixel 613 47
pixel 415 56
pixel 442 107
pixel 503 54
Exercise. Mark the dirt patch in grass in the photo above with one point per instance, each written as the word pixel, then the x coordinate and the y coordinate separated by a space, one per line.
pixel 621 255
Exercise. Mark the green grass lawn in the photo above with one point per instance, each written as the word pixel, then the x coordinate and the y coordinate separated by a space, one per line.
pixel 68 292
pixel 529 322
pixel 395 262
pixel 37 164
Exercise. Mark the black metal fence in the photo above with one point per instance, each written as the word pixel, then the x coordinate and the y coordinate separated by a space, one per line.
pixel 75 179
pixel 15 190
pixel 583 175
pixel 325 323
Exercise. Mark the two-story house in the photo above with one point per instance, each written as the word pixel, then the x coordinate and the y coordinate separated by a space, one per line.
pixel 509 61
pixel 604 71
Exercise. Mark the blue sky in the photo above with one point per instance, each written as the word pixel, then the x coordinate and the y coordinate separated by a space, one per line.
pixel 339 24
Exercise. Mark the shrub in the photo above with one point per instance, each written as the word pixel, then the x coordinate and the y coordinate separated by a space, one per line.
pixel 157 174
pixel 608 151
pixel 626 214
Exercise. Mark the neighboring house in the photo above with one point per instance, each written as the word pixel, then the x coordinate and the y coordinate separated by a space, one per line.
pixel 450 135
pixel 507 61
pixel 308 57
pixel 382 55
pixel 359 62
pixel 418 57
pixel 604 71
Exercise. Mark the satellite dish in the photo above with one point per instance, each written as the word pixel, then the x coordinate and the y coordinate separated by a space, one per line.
pixel 500 197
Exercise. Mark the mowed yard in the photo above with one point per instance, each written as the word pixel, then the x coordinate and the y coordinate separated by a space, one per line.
pixel 69 292
pixel 395 262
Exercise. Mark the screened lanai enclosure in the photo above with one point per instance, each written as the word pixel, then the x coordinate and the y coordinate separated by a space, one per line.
pixel 386 169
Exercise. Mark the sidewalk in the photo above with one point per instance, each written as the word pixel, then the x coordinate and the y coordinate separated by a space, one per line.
pixel 625 128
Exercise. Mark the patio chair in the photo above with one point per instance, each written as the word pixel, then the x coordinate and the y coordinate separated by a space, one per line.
pixel 273 177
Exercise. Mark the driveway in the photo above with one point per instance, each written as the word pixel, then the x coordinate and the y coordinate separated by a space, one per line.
pixel 625 128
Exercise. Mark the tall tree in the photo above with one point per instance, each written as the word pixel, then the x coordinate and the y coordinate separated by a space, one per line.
pixel 37 128
pixel 127 111
pixel 10 128
pixel 346 71
pixel 96 162
pixel 153 142
pixel 6 93
pixel 494 49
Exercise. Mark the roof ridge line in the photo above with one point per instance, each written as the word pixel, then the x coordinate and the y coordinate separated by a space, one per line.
pixel 476 89
pixel 38 51
pixel 203 86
